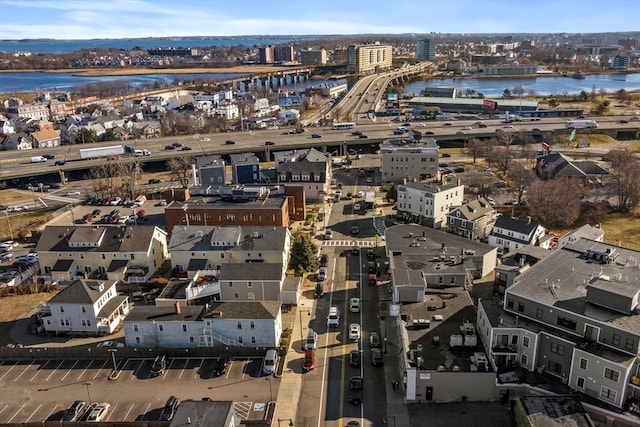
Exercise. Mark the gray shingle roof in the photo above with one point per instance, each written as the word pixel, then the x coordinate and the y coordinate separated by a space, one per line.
pixel 80 292
pixel 110 238
pixel 244 310
pixel 515 224
pixel 260 239
pixel 250 271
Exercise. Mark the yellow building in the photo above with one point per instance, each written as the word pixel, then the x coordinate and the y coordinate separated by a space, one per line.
pixel 369 58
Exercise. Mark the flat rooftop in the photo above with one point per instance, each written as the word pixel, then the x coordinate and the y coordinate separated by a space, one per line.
pixel 561 280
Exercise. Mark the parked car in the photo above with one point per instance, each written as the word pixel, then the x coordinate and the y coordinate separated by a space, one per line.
pixel 324 260
pixel 374 340
pixel 72 193
pixel 312 340
pixel 169 147
pixel 220 368
pixel 75 411
pixel 98 413
pixel 309 361
pixel 96 212
pixel 169 409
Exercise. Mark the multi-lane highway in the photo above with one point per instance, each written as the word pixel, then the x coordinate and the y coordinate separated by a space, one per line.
pixel 18 163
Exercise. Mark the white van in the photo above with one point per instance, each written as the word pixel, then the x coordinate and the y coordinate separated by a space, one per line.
pixel 270 360
pixel 333 320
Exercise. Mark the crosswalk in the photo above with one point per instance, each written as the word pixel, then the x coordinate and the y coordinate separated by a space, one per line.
pixel 350 243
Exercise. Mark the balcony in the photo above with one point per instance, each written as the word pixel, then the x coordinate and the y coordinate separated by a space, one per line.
pixel 508 349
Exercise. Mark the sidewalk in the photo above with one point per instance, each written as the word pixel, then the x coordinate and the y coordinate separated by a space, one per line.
pixel 397 410
pixel 291 381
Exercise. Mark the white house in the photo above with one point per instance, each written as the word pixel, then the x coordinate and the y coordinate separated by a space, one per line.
pixel 229 111
pixel 84 307
pixel 512 233
pixel 290 115
pixel 218 324
pixel 428 203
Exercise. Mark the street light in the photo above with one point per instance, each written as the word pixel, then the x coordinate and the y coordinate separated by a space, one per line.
pixel 88 392
pixel 285 419
pixel 115 372
pixel 6 213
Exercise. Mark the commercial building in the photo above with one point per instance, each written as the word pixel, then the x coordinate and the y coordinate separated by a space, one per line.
pixel 408 160
pixel 428 203
pixel 369 58
pixel 472 105
pixel 426 49
pixel 282 53
pixel 313 57
pixel 573 315
pixel 620 62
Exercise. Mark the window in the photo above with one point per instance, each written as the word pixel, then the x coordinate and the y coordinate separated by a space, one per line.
pixel 84 309
pixel 249 284
pixel 236 295
pixel 61 308
pixel 611 374
pixel 239 324
pixel 521 307
pixel 251 296
pixel 607 393
pixel 252 324
pixel 615 340
pixel 253 340
pixel 86 323
pixel 65 322
pixel 557 349
pixel 240 340
pixel 192 340
pixel 523 359
pixel 566 323
pixel 583 363
pixel 138 341
pixel 554 367
pixel 580 383
pixel 510 303
pixel 135 327
pixel 525 341
pixel 184 327
pixel 629 344
pixel 160 327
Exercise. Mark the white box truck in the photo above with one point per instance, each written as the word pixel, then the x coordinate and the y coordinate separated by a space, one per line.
pixel 141 153
pixel 38 159
pixel 580 124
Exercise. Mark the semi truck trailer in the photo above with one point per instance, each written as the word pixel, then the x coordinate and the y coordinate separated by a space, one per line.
pixel 98 152
pixel 580 124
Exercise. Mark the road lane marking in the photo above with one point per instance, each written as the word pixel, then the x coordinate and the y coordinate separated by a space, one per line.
pixel 69 370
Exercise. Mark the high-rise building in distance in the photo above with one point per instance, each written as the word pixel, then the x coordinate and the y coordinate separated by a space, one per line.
pixel 369 58
pixel 313 57
pixel 426 49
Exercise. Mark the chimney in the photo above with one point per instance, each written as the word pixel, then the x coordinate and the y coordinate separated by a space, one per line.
pixel 458 182
pixel 177 307
pixel 528 220
pixel 194 176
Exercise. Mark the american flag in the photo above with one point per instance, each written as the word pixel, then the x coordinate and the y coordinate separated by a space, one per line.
pixel 545 146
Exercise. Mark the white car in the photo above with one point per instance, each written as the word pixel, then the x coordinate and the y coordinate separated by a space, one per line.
pixel 360 193
pixel 354 305
pixel 356 207
pixel 116 201
pixel 9 244
pixel 354 331
pixel 98 413
pixel 205 139
pixel 508 126
pixel 466 128
pixel 72 193
pixel 21 208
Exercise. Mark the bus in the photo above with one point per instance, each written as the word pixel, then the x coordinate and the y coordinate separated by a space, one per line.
pixel 341 126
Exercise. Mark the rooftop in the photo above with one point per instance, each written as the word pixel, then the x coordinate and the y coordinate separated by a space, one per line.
pixel 273 201
pixel 215 238
pixel 563 278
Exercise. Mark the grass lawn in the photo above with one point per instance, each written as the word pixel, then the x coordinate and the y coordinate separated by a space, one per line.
pixel 14 307
pixel 622 230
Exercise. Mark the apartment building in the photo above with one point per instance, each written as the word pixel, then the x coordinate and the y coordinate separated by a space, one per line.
pixel 426 49
pixel 104 252
pixel 575 316
pixel 511 233
pixel 406 160
pixel 428 203
pixel 369 58
pixel 308 168
pixel 473 220
pixel 313 57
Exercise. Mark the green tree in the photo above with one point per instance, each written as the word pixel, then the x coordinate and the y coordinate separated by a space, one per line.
pixel 506 93
pixel 109 136
pixel 392 192
pixel 303 254
pixel 86 136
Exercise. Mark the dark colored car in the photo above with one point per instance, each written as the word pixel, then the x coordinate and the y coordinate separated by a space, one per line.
pixel 220 367
pixel 319 291
pixel 459 169
pixel 229 142
pixel 356 133
pixel 75 411
pixel 186 148
pixel 356 385
pixel 169 409
pixel 355 357
pixel 154 181
pixel 429 133
pixel 315 135
pixel 324 260
pixel 169 147
pixel 176 144
pixel 49 156
pixel 60 162
pixel 363 136
pixel 96 212
pixel 269 143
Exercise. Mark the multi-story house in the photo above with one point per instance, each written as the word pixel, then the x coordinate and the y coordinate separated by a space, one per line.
pixel 404 159
pixel 46 138
pixel 37 111
pixel 573 315
pixel 84 307
pixel 428 203
pixel 245 168
pixel 309 168
pixel 196 248
pixel 227 110
pixel 473 220
pixel 211 171
pixel 369 58
pixel 217 325
pixel 105 252
pixel 421 258
pixel 511 233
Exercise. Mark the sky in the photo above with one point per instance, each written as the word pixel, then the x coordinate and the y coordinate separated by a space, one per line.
pixel 83 19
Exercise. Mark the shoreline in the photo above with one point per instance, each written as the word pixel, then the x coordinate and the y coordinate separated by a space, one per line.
pixel 108 72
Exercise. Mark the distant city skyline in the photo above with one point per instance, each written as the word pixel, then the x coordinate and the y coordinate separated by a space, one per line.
pixel 80 19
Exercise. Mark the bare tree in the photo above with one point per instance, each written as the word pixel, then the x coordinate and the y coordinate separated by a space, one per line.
pixel 129 173
pixel 554 203
pixel 626 170
pixel 476 148
pixel 520 178
pixel 180 168
pixel 481 181
pixel 500 157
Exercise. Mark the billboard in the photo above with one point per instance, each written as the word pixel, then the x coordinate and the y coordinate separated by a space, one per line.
pixel 488 104
pixel 392 97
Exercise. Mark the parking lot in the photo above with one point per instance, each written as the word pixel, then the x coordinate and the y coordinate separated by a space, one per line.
pixel 41 391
